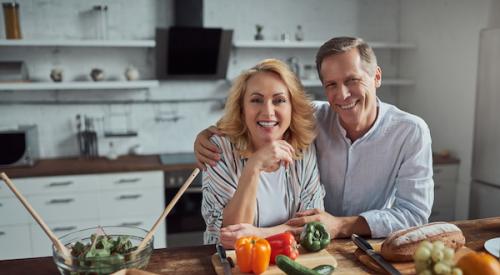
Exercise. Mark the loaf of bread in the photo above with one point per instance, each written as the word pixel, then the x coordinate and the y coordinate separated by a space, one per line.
pixel 401 245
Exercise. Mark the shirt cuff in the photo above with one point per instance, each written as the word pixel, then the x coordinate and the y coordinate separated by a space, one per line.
pixel 377 223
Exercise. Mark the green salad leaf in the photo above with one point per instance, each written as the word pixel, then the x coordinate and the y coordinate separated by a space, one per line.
pixel 103 251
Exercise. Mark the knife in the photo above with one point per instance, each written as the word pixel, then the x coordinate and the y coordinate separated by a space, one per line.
pixel 368 249
pixel 223 259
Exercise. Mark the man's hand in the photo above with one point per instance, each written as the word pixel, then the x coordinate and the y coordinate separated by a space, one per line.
pixel 205 151
pixel 229 234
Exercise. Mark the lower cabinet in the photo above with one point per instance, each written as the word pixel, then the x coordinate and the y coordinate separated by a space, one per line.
pixel 445 186
pixel 15 241
pixel 72 203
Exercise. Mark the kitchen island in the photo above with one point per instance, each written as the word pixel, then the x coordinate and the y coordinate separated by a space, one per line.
pixel 196 260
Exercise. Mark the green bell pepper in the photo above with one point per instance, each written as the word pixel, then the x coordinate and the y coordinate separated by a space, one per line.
pixel 314 237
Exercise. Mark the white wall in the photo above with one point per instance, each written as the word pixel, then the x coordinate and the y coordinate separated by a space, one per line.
pixel 444 66
pixel 72 19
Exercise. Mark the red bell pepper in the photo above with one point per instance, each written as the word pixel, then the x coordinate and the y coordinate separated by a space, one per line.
pixel 283 244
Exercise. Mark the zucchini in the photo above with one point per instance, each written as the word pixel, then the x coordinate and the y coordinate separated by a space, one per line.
pixel 324 269
pixel 291 267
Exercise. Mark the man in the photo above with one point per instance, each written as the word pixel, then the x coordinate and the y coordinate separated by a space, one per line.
pixel 375 160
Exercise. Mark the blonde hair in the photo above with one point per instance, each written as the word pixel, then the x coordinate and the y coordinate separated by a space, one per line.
pixel 302 129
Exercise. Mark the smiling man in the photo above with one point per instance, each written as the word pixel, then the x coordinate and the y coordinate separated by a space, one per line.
pixel 375 161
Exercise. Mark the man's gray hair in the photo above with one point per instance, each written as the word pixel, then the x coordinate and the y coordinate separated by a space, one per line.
pixel 343 44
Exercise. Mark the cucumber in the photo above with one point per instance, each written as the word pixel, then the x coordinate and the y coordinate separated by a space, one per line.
pixel 291 267
pixel 324 269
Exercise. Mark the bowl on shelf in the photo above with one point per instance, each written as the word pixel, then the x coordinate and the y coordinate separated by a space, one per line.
pixel 97 262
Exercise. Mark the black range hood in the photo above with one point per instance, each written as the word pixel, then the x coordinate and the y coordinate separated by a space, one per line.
pixel 188 50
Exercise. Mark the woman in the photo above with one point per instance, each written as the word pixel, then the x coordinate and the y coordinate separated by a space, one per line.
pixel 268 169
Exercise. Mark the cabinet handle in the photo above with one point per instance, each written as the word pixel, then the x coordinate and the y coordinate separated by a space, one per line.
pixel 437 187
pixel 130 224
pixel 122 181
pixel 64 228
pixel 57 201
pixel 129 197
pixel 193 190
pixel 58 184
pixel 1 204
pixel 2 233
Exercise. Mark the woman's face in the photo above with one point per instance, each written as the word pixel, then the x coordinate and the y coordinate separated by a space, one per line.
pixel 267 108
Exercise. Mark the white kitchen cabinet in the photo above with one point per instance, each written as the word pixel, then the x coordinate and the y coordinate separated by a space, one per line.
pixel 12 209
pixel 40 243
pixel 15 241
pixel 445 186
pixel 70 203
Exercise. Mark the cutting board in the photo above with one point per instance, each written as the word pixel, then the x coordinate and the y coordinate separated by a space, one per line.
pixel 406 268
pixel 305 258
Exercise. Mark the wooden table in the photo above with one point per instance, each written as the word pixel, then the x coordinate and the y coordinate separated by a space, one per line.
pixel 196 260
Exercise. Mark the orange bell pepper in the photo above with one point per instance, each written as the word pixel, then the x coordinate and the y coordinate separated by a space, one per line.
pixel 252 254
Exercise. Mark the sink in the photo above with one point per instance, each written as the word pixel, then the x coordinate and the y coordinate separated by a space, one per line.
pixel 177 158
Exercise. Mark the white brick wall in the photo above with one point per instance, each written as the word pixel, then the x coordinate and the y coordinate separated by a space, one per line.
pixel 70 19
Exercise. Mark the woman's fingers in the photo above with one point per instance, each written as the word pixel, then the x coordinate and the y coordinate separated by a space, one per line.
pixel 297 221
pixel 308 212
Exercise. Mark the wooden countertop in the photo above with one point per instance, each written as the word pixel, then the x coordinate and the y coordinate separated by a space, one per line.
pixel 196 260
pixel 76 165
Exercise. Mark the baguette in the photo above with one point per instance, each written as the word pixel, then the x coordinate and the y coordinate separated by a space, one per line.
pixel 401 245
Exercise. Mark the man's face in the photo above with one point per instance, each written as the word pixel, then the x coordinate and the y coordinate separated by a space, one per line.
pixel 350 90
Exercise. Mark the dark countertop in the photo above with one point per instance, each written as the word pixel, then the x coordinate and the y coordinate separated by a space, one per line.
pixel 129 163
pixel 196 260
pixel 440 159
pixel 78 165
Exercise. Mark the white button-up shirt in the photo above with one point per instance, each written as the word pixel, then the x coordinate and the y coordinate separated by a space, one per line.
pixel 384 176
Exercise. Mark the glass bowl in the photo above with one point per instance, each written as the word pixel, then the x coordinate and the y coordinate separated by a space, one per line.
pixel 104 264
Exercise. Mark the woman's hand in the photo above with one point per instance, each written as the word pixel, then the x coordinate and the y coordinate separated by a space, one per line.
pixel 272 154
pixel 204 150
pixel 229 234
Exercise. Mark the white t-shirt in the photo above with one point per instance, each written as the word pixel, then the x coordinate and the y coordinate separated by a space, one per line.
pixel 271 198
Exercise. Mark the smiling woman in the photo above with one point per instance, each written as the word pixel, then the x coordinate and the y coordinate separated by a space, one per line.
pixel 268 169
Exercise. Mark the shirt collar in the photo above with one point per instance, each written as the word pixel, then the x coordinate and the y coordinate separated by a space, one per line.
pixel 381 111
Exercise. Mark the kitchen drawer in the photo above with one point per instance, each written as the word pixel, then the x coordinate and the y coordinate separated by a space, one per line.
pixel 134 201
pixel 131 180
pixel 62 207
pixel 5 192
pixel 13 212
pixel 444 193
pixel 445 172
pixel 142 221
pixel 42 246
pixel 15 242
pixel 51 185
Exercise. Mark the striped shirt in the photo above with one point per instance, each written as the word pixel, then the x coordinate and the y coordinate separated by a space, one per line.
pixel 303 191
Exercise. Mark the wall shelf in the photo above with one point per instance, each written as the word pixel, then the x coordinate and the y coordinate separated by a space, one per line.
pixel 313 44
pixel 385 82
pixel 83 85
pixel 77 43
